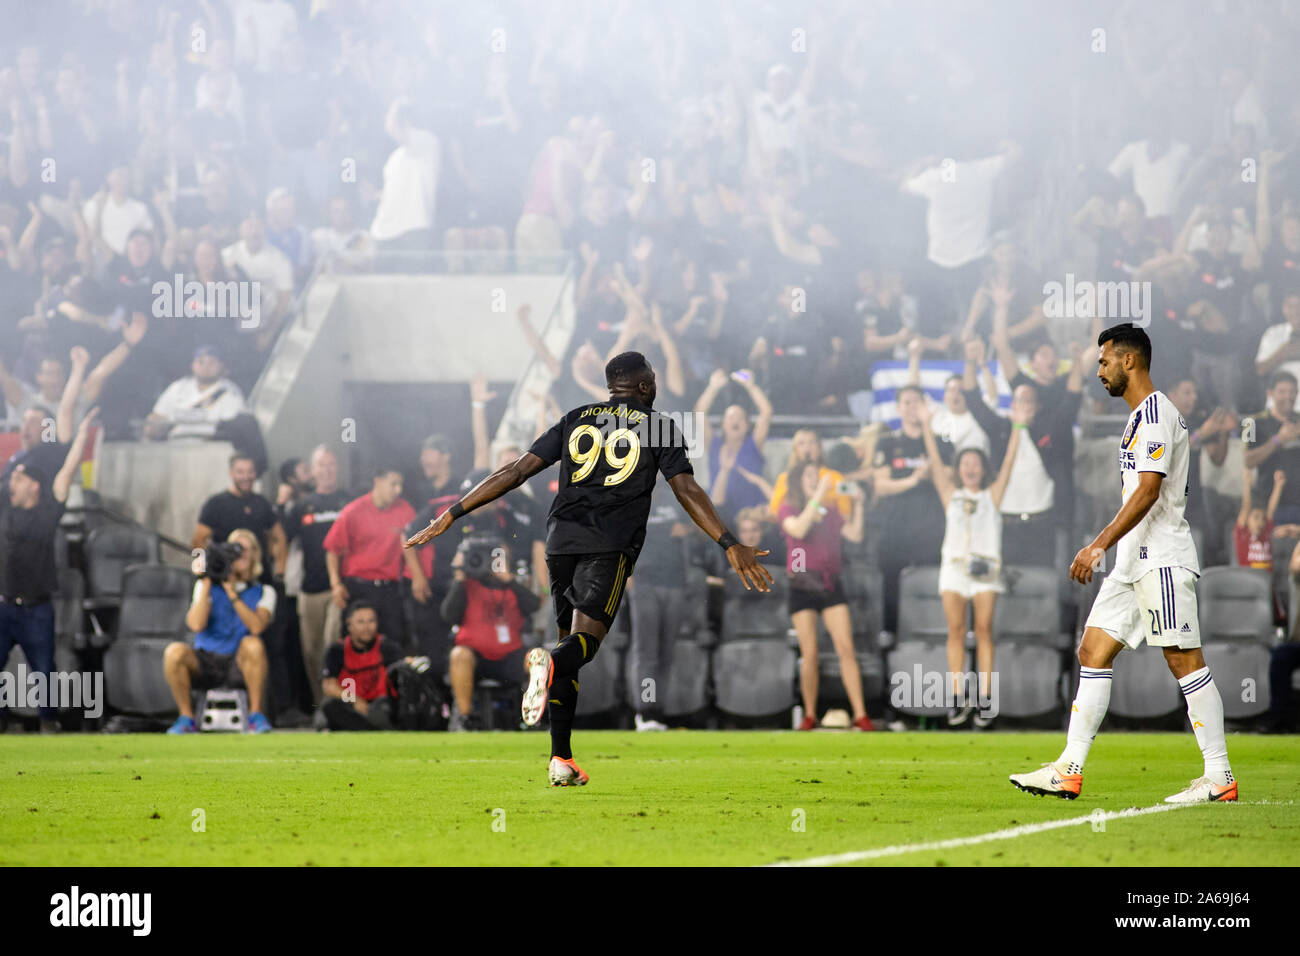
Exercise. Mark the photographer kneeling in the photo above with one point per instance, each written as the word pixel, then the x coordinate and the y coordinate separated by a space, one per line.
pixel 356 691
pixel 230 608
pixel 489 608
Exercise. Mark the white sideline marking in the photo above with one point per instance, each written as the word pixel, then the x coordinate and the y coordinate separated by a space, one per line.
pixel 1008 834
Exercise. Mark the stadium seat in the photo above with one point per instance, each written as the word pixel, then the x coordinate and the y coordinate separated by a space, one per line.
pixel 1030 651
pixel 752 614
pixel 1237 633
pixel 921 642
pixel 109 550
pixel 18 659
pixel 684 689
pixel 754 677
pixel 1228 529
pixel 598 683
pixel 864 588
pixel 491 698
pixel 68 631
pixel 155 598
pixel 61 548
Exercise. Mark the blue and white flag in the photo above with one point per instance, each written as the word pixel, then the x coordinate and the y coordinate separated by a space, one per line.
pixel 888 377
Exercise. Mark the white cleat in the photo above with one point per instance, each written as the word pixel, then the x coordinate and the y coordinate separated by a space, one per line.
pixel 1205 790
pixel 540 669
pixel 1047 781
pixel 566 773
pixel 644 724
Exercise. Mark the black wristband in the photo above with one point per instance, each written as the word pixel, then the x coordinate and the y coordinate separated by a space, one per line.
pixel 457 510
pixel 726 540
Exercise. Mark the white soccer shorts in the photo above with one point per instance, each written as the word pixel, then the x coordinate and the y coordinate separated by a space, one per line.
pixel 1160 608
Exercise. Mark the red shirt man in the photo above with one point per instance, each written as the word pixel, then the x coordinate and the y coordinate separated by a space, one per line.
pixel 364 553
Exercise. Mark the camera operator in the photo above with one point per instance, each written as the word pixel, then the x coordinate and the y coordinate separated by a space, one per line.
pixel 231 608
pixel 488 606
pixel 518 524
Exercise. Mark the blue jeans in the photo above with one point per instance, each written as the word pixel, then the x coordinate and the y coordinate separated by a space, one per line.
pixel 32 629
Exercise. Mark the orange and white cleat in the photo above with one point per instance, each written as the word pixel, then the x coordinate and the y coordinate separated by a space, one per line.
pixel 541 670
pixel 1048 781
pixel 1205 790
pixel 566 773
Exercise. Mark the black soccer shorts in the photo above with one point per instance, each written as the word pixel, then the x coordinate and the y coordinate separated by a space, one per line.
pixel 590 583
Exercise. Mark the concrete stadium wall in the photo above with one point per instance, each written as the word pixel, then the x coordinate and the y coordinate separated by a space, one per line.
pixel 397 329
pixel 162 485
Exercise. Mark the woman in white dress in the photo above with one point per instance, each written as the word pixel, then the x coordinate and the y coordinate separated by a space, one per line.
pixel 971 556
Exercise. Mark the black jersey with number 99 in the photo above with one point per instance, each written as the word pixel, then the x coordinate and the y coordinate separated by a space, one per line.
pixel 608 454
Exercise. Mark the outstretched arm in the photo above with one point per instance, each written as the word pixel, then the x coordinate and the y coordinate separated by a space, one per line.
pixel 940 474
pixel 697 504
pixel 63 480
pixel 480 395
pixel 1248 479
pixel 504 479
pixel 999 486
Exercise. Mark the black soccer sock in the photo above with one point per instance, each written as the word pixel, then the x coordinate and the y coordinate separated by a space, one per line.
pixel 563 702
pixel 572 652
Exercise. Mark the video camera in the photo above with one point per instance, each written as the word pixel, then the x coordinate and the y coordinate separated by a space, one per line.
pixel 478 552
pixel 219 556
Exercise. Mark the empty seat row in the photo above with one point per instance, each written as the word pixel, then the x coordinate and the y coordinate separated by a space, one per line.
pixel 1035 665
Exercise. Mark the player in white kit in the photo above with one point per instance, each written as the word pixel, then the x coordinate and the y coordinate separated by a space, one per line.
pixel 1151 593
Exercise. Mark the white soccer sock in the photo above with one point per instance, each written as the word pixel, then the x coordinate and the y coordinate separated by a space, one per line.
pixel 1205 711
pixel 1090 704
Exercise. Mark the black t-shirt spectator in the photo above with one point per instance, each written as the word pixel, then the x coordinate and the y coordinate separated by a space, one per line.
pixel 1285 458
pixel 1173 334
pixel 882 321
pixel 1221 281
pixel 437 499
pixel 1118 259
pixel 797 346
pixel 1281 270
pixel 225 512
pixel 904 454
pixel 309 521
pixel 27 547
pixel 1051 431
pixel 48 457
pixel 1048 395
pixel 599 321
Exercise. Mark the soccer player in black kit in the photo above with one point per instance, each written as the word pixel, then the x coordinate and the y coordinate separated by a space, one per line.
pixel 610 452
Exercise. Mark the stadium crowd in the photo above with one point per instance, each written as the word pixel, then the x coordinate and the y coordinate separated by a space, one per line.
pixel 767 209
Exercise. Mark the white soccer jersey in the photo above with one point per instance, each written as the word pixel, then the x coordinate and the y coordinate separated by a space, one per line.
pixel 1155 439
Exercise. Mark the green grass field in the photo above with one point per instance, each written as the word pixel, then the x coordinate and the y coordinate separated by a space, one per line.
pixel 677 798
